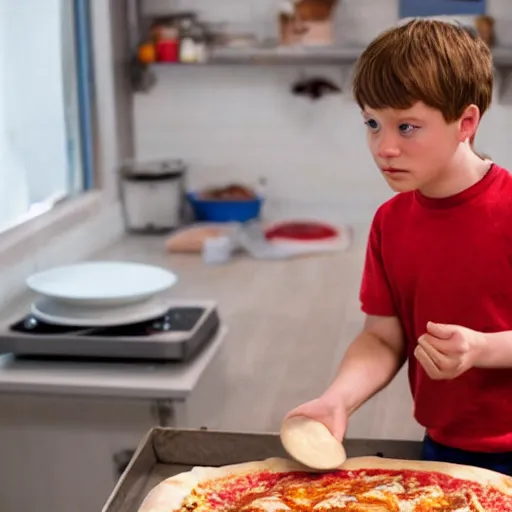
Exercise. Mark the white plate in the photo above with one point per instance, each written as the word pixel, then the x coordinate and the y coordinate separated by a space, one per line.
pixel 102 283
pixel 60 313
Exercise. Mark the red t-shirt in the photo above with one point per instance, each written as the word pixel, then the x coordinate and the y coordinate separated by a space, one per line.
pixel 449 261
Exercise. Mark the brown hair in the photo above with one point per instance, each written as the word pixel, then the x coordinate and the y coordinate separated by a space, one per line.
pixel 443 65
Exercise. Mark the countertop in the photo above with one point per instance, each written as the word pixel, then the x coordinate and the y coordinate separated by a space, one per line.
pixel 305 291
pixel 166 381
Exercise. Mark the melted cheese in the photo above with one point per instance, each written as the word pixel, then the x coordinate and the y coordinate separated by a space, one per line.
pixel 424 496
pixel 370 507
pixel 385 494
pixel 380 495
pixel 407 506
pixel 394 488
pixel 335 501
pixel 269 504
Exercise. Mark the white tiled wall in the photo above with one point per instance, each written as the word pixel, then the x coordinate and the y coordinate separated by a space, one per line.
pixel 242 123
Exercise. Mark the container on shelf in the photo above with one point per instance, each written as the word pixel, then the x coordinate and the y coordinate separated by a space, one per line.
pixel 307 22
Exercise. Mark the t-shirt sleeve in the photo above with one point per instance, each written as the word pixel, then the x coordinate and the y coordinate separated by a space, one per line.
pixel 375 293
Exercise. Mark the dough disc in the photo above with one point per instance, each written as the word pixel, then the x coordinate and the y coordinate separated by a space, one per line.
pixel 311 443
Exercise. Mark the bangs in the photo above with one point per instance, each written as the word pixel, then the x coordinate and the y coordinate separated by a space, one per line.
pixel 398 80
pixel 381 85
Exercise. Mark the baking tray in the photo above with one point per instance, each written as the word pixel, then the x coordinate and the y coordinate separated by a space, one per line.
pixel 165 452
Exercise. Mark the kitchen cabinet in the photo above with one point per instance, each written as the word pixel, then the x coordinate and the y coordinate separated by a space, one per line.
pixel 63 453
pixel 67 430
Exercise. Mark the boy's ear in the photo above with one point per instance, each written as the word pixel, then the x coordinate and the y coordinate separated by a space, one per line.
pixel 468 123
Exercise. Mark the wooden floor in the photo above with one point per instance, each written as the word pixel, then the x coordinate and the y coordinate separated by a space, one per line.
pixel 289 326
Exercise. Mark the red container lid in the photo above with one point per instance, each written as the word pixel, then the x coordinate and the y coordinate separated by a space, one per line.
pixel 304 231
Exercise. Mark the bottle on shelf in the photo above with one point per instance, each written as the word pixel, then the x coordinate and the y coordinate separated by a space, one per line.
pixel 200 40
pixel 188 49
pixel 166 39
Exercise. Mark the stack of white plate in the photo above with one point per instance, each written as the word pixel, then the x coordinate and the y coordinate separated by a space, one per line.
pixel 100 293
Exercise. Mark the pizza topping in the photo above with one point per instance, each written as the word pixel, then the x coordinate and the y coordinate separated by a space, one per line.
pixel 419 497
pixel 269 504
pixel 473 500
pixel 408 506
pixel 345 491
pixel 394 487
pixel 335 501
pixel 433 491
pixel 368 507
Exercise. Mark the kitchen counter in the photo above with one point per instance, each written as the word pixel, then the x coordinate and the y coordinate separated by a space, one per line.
pixel 288 324
pixel 165 381
pixel 243 290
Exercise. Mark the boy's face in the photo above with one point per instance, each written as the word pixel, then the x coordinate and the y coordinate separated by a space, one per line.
pixel 413 148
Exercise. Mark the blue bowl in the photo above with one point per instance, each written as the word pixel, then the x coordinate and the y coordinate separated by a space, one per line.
pixel 218 210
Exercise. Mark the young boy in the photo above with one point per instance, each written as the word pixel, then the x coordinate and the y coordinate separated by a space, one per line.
pixel 437 282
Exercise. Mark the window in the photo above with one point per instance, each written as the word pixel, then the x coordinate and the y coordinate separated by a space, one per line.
pixel 45 105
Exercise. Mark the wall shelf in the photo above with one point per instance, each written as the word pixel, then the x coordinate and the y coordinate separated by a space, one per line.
pixel 285 55
pixel 344 57
pixel 307 56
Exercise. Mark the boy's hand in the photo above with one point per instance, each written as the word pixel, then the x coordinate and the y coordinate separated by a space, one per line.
pixel 327 410
pixel 447 351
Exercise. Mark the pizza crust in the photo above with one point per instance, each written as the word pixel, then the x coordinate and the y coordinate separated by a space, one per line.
pixel 275 464
pixel 168 496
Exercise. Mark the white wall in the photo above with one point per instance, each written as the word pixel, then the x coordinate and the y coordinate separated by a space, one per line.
pixel 314 155
pixel 32 90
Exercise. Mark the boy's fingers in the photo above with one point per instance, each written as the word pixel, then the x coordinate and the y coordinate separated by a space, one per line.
pixel 441 360
pixel 428 365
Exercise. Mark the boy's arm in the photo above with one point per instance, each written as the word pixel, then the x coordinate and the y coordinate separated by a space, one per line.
pixel 378 353
pixel 447 351
pixel 370 363
pixel 496 350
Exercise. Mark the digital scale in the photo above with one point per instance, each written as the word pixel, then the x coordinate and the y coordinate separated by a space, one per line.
pixel 170 331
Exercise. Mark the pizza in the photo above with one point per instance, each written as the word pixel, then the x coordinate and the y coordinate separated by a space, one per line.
pixel 363 484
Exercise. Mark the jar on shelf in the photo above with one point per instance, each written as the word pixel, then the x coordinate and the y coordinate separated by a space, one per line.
pixel 307 22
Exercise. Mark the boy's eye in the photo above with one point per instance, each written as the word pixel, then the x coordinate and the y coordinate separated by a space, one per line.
pixel 407 128
pixel 372 124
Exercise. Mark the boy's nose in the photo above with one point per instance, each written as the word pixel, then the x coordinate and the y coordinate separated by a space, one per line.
pixel 387 148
